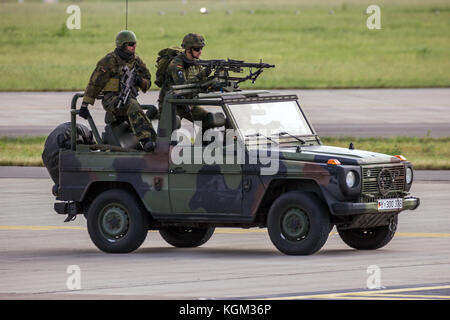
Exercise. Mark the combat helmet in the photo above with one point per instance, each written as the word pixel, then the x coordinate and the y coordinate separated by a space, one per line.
pixel 125 36
pixel 193 40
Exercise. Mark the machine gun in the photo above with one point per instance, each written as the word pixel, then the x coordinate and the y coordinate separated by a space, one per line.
pixel 222 69
pixel 221 80
pixel 127 86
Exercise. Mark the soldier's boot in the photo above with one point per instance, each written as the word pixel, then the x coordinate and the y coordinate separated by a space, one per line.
pixel 141 126
pixel 148 145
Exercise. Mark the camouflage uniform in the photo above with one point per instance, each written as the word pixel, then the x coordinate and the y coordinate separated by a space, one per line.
pixel 181 70
pixel 106 78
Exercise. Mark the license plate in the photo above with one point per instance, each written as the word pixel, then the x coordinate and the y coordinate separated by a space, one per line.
pixel 390 204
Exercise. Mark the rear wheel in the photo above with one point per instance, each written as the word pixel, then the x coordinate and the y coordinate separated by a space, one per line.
pixel 298 223
pixel 116 222
pixel 369 238
pixel 184 237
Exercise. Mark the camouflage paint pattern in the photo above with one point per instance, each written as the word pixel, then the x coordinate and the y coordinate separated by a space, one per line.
pixel 105 78
pixel 140 125
pixel 193 40
pixel 180 71
pixel 108 72
pixel 228 194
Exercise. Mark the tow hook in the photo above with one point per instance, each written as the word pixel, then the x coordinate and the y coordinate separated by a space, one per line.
pixel 392 224
pixel 70 217
pixel 71 208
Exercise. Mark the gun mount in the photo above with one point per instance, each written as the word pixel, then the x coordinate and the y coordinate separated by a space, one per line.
pixel 221 80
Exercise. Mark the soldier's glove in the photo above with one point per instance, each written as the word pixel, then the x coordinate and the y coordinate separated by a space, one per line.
pixel 207 71
pixel 84 112
pixel 138 81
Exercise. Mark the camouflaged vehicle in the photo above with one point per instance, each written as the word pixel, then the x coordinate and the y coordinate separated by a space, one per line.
pixel 124 192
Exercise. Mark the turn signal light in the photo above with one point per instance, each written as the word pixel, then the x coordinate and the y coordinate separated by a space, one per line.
pixel 400 157
pixel 334 161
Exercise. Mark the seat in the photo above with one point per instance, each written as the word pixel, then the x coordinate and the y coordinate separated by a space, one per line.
pixel 118 132
pixel 214 120
pixel 211 120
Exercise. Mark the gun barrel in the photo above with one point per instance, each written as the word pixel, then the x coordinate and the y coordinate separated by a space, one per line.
pixel 232 64
pixel 185 86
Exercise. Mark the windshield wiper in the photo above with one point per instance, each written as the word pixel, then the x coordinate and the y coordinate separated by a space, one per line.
pixel 284 133
pixel 260 135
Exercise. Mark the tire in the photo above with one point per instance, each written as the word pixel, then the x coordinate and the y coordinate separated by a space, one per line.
pixel 116 222
pixel 369 238
pixel 298 223
pixel 184 237
pixel 59 139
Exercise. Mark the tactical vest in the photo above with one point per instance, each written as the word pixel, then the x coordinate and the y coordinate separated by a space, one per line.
pixel 113 85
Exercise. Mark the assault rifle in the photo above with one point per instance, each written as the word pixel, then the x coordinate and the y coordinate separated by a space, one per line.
pixel 127 86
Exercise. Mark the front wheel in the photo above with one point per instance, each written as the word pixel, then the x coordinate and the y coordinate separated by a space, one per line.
pixel 184 237
pixel 298 223
pixel 369 238
pixel 116 222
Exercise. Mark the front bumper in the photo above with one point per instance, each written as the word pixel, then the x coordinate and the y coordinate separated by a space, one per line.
pixel 353 208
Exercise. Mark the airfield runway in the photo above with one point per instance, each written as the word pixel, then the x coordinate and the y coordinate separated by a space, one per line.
pixel 344 112
pixel 38 251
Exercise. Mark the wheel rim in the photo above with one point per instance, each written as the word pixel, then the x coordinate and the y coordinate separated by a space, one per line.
pixel 295 224
pixel 114 222
pixel 364 234
pixel 183 230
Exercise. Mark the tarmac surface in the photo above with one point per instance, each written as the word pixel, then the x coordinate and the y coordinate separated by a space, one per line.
pixel 39 252
pixel 343 112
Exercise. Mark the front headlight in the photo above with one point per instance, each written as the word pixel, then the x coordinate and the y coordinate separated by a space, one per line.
pixel 350 179
pixel 409 175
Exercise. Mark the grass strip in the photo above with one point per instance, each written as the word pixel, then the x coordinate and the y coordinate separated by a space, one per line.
pixel 426 153
pixel 314 44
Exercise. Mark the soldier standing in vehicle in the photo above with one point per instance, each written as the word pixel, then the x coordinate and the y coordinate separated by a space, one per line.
pixel 182 70
pixel 106 78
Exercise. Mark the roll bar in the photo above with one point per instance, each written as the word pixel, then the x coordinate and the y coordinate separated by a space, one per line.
pixel 73 123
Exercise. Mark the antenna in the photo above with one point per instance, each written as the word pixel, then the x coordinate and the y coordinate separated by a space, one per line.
pixel 126 17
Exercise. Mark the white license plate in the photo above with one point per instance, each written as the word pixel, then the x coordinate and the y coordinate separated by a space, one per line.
pixel 390 204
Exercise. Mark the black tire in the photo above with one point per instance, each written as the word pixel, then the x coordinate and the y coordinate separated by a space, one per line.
pixel 116 222
pixel 184 237
pixel 298 223
pixel 369 238
pixel 59 139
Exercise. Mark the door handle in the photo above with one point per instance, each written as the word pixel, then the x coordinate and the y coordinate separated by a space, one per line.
pixel 177 170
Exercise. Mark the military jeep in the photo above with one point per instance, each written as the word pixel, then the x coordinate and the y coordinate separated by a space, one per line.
pixel 299 195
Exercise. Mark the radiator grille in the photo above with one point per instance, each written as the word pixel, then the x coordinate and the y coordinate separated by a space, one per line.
pixel 383 180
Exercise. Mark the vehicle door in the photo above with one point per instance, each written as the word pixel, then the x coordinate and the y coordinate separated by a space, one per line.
pixel 201 180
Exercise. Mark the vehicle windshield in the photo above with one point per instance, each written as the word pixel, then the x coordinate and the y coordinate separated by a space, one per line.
pixel 270 119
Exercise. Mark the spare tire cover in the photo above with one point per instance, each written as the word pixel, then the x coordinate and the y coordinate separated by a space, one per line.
pixel 58 139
